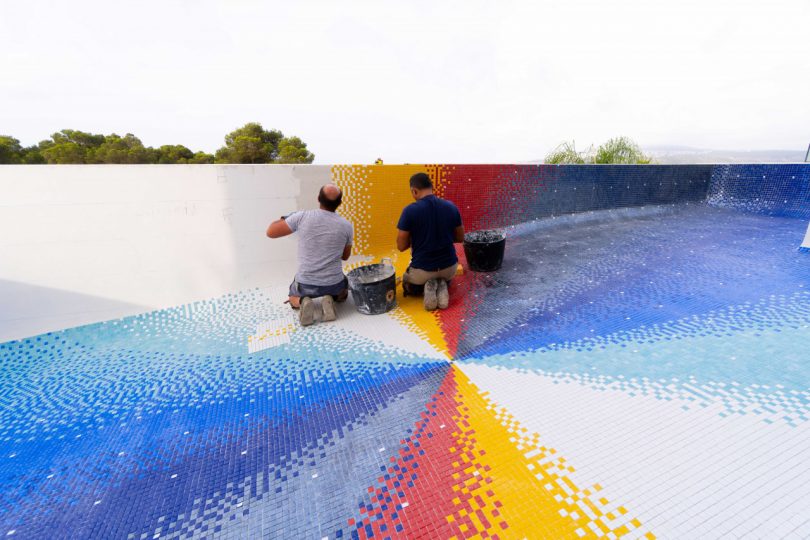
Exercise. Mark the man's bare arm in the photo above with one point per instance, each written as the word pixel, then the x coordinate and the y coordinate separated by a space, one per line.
pixel 403 240
pixel 458 234
pixel 347 252
pixel 278 228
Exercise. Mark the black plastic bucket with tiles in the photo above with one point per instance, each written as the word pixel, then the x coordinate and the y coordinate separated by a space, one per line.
pixel 374 288
pixel 484 250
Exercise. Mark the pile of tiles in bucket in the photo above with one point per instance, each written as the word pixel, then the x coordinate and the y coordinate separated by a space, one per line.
pixel 638 368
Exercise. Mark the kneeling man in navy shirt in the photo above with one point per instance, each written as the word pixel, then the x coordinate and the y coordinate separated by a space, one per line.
pixel 430 226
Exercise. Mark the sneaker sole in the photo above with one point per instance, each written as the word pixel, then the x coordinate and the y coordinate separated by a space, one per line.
pixel 442 295
pixel 307 312
pixel 430 298
pixel 328 306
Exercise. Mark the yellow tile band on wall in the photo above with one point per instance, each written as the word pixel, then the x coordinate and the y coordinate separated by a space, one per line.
pixel 373 199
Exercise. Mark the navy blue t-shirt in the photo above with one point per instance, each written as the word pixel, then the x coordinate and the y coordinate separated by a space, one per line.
pixel 431 222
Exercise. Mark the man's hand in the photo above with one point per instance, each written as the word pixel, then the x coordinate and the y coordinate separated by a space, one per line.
pixel 458 234
pixel 403 240
pixel 278 228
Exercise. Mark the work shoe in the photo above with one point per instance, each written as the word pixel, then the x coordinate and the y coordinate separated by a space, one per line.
pixel 442 295
pixel 307 312
pixel 328 307
pixel 431 288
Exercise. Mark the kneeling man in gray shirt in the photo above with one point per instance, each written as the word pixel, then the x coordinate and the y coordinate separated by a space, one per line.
pixel 324 240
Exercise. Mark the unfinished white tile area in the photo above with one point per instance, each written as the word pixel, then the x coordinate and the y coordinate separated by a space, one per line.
pixel 685 473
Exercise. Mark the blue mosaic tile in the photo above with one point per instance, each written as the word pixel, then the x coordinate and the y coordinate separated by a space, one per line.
pixel 100 440
pixel 773 190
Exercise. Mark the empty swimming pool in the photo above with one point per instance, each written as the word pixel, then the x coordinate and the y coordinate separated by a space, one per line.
pixel 638 367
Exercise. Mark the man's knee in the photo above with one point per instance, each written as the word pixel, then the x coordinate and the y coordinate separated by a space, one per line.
pixel 415 277
pixel 448 273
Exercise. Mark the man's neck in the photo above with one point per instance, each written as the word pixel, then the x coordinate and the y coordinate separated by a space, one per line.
pixel 322 208
pixel 424 193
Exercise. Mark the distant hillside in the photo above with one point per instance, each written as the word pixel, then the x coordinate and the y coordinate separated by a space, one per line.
pixel 684 155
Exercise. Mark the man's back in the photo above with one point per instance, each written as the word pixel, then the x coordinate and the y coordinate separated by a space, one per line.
pixel 431 222
pixel 322 236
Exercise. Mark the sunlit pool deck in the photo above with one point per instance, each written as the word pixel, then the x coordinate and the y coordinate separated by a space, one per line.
pixel 638 369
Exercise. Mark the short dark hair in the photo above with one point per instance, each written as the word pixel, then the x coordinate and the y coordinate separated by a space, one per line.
pixel 421 181
pixel 330 204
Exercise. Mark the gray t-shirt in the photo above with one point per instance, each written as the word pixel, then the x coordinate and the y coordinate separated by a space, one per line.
pixel 322 236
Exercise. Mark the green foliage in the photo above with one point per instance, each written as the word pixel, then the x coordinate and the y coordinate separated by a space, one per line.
pixel 173 153
pixel 70 146
pixel 122 150
pixel 253 144
pixel 293 150
pixel 622 151
pixel 202 157
pixel 619 150
pixel 87 140
pixel 249 144
pixel 177 153
pixel 565 154
pixel 65 153
pixel 11 151
pixel 32 156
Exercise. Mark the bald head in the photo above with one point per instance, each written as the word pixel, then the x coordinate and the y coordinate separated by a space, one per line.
pixel 330 197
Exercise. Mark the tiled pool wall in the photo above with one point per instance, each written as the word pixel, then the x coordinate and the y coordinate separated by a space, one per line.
pixel 773 190
pixel 524 193
pixel 502 195
pixel 507 195
pixel 92 243
pixel 492 196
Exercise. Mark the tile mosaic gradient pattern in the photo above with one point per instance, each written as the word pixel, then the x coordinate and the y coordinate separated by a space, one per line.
pixel 637 369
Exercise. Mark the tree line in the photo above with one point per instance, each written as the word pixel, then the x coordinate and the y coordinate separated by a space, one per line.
pixel 250 143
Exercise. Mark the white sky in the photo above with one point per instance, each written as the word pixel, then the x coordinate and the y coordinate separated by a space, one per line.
pixel 412 81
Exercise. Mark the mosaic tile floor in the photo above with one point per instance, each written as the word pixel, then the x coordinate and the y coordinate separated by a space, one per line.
pixel 631 373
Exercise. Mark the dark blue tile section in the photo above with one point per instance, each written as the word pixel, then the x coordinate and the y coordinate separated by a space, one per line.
pixel 555 190
pixel 574 189
pixel 773 190
pixel 640 276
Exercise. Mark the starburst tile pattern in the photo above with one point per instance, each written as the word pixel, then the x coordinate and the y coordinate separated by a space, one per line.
pixel 638 368
pixel 480 471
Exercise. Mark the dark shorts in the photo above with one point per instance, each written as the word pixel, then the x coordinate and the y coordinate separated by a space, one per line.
pixel 316 291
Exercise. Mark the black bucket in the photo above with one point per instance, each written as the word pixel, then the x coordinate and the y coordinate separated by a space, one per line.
pixel 374 288
pixel 484 249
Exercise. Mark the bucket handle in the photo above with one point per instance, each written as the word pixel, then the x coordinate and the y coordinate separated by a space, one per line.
pixel 387 261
